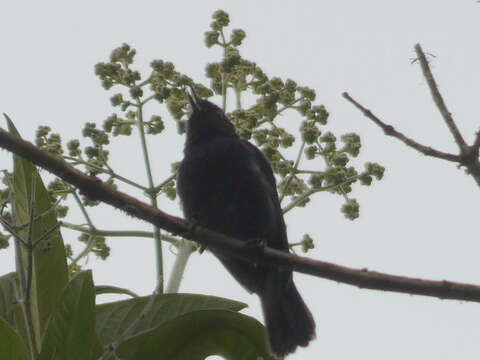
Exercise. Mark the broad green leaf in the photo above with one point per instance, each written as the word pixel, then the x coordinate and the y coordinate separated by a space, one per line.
pixel 50 275
pixel 113 318
pixel 21 324
pixel 71 330
pixel 10 309
pixel 8 298
pixel 11 344
pixel 107 289
pixel 199 334
pixel 97 349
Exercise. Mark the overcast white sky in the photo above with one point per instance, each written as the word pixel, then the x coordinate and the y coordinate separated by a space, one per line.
pixel 421 220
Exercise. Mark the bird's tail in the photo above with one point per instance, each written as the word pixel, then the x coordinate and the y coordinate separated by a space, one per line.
pixel 289 322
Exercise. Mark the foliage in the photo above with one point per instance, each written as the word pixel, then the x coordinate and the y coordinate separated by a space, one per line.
pixel 328 154
pixel 49 300
pixel 58 319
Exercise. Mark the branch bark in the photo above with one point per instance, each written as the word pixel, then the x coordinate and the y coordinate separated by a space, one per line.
pixel 468 154
pixel 390 131
pixel 95 189
pixel 438 99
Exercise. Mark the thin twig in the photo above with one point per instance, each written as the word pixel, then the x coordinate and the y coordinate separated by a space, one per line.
pixel 83 210
pixel 238 98
pixel 118 233
pixel 95 189
pixel 88 247
pixel 438 99
pixel 293 171
pixel 224 44
pixel 159 187
pixel 476 144
pixel 310 192
pixel 109 172
pixel 313 172
pixel 468 156
pixel 329 165
pixel 390 131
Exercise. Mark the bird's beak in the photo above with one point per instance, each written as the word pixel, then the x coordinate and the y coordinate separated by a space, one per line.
pixel 193 98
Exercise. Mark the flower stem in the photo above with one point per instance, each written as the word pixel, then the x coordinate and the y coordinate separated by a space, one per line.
pixel 185 249
pixel 152 196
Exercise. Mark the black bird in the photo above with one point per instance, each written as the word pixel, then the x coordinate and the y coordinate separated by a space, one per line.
pixel 227 185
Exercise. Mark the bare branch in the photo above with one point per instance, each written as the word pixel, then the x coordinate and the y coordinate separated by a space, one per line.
pixel 97 190
pixel 438 99
pixel 476 144
pixel 390 130
pixel 468 155
pixel 473 165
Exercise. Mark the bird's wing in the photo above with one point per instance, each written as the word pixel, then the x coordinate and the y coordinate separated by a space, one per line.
pixel 280 239
pixel 264 165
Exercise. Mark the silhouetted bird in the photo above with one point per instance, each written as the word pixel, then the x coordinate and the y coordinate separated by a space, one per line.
pixel 227 185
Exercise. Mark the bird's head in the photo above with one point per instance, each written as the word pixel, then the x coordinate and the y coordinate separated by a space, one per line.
pixel 207 120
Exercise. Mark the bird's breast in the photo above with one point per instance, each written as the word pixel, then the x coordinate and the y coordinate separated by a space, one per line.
pixel 220 188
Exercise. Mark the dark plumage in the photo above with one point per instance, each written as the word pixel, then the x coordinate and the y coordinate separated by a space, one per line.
pixel 227 185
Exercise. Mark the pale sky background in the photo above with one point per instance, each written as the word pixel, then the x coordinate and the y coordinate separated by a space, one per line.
pixel 421 220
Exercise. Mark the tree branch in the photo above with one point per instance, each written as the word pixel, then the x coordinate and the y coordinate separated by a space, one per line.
pixel 390 131
pixel 468 155
pixel 438 99
pixel 363 278
pixel 476 144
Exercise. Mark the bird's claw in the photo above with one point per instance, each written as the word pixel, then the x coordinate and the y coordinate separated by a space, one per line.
pixel 192 226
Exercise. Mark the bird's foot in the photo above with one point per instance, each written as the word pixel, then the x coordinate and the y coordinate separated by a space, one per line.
pixel 192 226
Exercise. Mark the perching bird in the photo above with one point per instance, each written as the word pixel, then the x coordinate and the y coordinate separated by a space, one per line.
pixel 227 185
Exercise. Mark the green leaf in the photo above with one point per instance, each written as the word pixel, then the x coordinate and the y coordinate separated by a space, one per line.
pixel 97 349
pixel 107 289
pixel 11 344
pixel 71 330
pixel 50 275
pixel 113 318
pixel 199 334
pixel 8 301
pixel 10 309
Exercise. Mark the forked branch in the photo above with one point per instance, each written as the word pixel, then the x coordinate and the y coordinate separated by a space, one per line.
pixel 468 154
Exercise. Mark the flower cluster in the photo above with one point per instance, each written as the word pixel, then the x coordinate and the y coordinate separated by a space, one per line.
pixel 284 119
